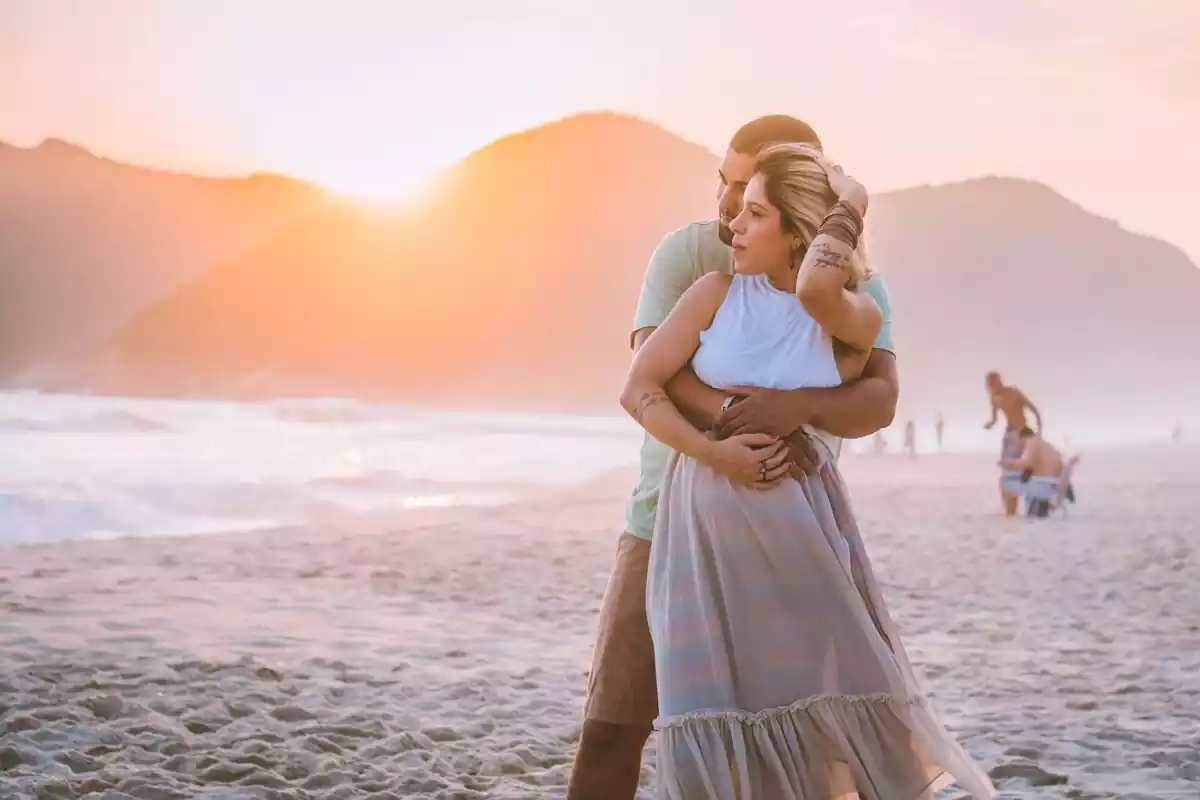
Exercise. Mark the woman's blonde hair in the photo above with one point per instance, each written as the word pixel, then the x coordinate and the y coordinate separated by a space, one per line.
pixel 796 184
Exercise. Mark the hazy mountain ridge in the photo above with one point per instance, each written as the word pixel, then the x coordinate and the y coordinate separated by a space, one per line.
pixel 1006 274
pixel 515 284
pixel 85 241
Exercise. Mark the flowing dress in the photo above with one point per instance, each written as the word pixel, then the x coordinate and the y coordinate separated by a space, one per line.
pixel 780 673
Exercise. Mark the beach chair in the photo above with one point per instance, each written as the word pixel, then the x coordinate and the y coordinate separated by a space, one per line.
pixel 1044 496
pixel 1064 485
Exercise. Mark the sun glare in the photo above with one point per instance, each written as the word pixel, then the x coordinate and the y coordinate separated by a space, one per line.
pixel 384 188
pixel 385 173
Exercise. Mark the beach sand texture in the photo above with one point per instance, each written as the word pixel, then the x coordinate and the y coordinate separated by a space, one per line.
pixel 443 653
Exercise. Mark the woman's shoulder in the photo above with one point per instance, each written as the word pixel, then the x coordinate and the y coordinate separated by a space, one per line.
pixel 713 286
pixel 704 297
pixel 716 281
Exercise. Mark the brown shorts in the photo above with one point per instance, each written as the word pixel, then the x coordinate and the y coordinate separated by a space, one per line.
pixel 621 686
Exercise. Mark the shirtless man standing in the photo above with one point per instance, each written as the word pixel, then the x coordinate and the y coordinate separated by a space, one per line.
pixel 1012 402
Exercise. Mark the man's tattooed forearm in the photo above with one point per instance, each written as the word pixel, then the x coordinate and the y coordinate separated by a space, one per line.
pixel 825 256
pixel 646 401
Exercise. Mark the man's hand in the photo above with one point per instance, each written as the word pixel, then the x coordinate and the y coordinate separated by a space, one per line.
pixel 803 454
pixel 771 411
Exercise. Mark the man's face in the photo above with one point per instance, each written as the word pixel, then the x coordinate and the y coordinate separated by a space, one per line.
pixel 736 171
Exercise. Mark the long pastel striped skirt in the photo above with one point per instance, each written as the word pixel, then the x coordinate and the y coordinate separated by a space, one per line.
pixel 780 672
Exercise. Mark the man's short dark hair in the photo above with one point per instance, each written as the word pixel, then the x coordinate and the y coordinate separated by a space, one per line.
pixel 772 129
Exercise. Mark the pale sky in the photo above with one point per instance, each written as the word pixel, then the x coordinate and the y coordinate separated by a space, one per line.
pixel 1098 98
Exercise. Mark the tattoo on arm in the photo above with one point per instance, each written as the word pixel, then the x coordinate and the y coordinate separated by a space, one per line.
pixel 826 256
pixel 647 400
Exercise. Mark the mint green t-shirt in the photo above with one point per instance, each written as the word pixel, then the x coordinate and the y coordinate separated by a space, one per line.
pixel 680 260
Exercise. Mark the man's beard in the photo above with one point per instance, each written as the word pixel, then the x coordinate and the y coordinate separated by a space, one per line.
pixel 725 232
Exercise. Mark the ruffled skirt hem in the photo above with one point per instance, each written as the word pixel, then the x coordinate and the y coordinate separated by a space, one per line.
pixel 828 747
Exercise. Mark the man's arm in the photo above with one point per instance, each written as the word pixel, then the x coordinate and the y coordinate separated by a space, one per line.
pixel 991 423
pixel 1036 414
pixel 855 409
pixel 862 406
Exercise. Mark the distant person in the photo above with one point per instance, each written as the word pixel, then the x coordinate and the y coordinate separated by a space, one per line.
pixel 622 699
pixel 1177 433
pixel 761 598
pixel 879 444
pixel 939 427
pixel 910 439
pixel 1035 473
pixel 1012 402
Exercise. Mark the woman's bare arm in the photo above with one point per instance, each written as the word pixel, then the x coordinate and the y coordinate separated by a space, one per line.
pixel 699 403
pixel 662 356
pixel 852 317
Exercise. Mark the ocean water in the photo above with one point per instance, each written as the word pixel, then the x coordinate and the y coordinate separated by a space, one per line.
pixel 76 467
pixel 81 466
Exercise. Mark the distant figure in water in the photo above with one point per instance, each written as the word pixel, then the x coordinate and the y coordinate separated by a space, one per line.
pixel 1035 473
pixel 879 444
pixel 939 428
pixel 910 439
pixel 1177 434
pixel 1012 402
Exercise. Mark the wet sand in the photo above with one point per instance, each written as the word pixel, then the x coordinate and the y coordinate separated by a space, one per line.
pixel 443 653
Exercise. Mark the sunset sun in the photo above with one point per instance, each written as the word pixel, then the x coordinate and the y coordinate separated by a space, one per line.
pixel 378 181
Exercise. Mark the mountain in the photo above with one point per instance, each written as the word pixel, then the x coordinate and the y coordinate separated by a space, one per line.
pixel 515 286
pixel 1096 323
pixel 85 241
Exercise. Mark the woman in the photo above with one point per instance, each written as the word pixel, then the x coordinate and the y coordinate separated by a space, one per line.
pixel 780 673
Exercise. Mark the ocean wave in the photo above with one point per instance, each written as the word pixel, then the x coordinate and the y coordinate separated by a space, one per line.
pixel 102 466
pixel 101 422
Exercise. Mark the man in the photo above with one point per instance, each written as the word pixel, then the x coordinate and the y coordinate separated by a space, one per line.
pixel 1012 402
pixel 939 428
pixel 1035 473
pixel 622 700
pixel 910 439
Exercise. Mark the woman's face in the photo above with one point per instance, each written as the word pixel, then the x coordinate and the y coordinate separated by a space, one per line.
pixel 760 245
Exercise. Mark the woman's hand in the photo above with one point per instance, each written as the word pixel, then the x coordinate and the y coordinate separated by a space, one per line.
pixel 845 187
pixel 756 460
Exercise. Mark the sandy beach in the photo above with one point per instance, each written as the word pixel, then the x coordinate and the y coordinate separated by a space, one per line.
pixel 442 653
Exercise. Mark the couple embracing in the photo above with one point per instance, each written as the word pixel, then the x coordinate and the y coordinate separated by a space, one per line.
pixel 752 633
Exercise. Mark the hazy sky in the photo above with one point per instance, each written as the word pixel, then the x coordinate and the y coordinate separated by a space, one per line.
pixel 1098 98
